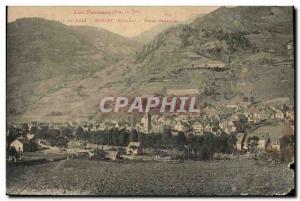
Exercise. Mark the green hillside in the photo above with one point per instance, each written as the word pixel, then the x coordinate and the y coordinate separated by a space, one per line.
pixel 60 72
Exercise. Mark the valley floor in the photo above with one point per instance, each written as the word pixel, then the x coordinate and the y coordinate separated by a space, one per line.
pixel 85 177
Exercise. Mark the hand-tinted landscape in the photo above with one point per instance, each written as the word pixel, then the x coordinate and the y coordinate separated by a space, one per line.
pixel 237 61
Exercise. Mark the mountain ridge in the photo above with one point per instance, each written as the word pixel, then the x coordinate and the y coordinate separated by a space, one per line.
pixel 87 63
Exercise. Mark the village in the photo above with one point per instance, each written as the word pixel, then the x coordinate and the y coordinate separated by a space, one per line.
pixel 225 131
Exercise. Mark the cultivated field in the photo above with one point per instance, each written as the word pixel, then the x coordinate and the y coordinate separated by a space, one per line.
pixel 84 177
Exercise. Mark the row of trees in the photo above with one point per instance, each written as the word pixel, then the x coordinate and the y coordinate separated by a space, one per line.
pixel 116 137
pixel 199 147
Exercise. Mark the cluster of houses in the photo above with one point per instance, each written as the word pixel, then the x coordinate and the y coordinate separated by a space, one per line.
pixel 226 119
pixel 229 119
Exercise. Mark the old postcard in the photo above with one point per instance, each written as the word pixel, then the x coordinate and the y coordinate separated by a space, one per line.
pixel 155 101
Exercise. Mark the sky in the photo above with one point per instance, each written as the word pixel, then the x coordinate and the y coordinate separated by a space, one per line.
pixel 126 21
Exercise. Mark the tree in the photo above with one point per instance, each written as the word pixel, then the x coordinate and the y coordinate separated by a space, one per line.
pixel 141 137
pixel 133 136
pixel 12 152
pixel 102 137
pixel 109 138
pixel 79 133
pixel 167 137
pixel 205 153
pixel 224 143
pixel 12 135
pixel 31 146
pixel 287 147
pixel 115 136
pixel 158 139
pixel 180 140
pixel 25 128
pixel 59 142
pixel 195 143
pixel 66 132
pixel 33 129
pixel 123 138
pixel 286 140
pixel 231 141
pixel 252 144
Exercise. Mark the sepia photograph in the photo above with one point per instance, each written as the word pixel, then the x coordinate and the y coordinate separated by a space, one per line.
pixel 150 100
